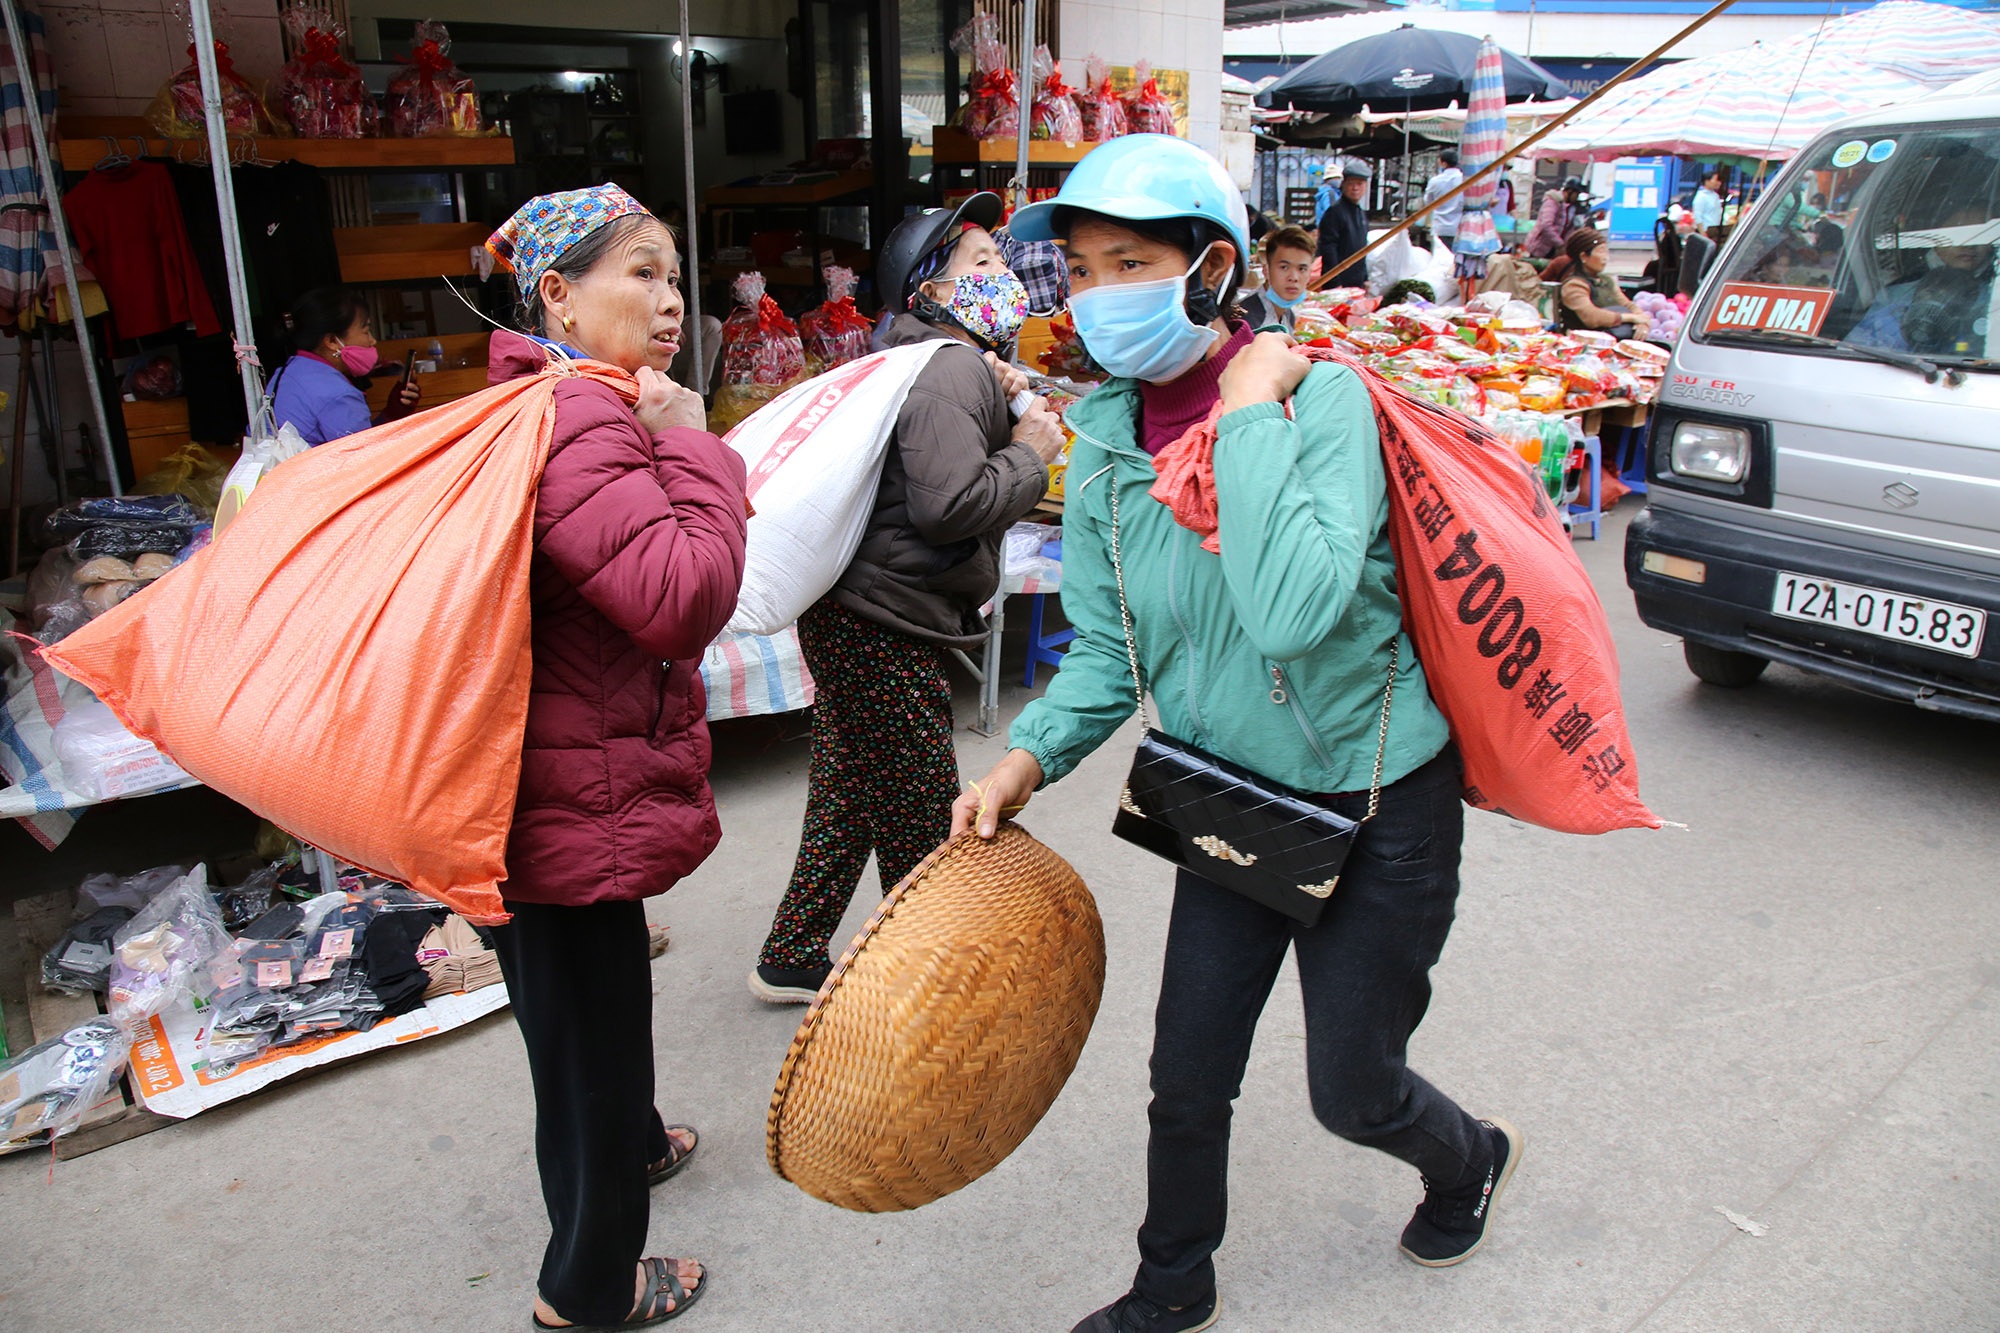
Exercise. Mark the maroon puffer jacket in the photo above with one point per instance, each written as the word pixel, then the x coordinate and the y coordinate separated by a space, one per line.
pixel 638 558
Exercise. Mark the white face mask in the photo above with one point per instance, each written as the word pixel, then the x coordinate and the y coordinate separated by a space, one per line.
pixel 1141 330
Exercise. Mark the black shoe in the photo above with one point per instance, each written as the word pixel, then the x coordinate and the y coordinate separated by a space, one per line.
pixel 1449 1225
pixel 787 985
pixel 1133 1313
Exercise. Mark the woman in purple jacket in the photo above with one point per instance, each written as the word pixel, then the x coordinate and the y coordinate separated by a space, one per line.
pixel 639 526
pixel 318 392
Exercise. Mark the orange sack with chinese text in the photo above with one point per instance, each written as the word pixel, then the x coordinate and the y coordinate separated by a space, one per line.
pixel 350 657
pixel 1512 636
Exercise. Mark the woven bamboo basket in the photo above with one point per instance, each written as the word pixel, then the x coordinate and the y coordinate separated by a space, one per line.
pixel 945 1031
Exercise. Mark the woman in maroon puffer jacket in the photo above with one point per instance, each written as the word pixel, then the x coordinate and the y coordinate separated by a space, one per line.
pixel 638 556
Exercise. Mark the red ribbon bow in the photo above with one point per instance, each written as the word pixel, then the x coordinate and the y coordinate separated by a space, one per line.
pixel 224 68
pixel 321 48
pixel 429 58
pixel 996 85
pixel 1053 86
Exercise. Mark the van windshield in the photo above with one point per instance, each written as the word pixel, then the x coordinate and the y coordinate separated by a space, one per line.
pixel 1886 241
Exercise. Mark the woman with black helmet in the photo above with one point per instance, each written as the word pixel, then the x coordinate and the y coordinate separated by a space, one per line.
pixel 883 773
pixel 1281 652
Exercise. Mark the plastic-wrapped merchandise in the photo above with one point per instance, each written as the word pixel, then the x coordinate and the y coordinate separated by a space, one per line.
pixel 176 110
pixel 1098 103
pixel 80 516
pixel 260 454
pixel 243 904
pixel 131 892
pixel 1149 111
pixel 164 952
pixel 761 354
pixel 992 107
pixel 429 96
pixel 129 539
pixel 835 332
pixel 104 761
pixel 47 1089
pixel 191 472
pixel 1055 115
pixel 320 92
pixel 80 961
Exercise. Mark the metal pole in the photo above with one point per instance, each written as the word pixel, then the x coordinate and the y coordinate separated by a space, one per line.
pixel 225 198
pixel 690 261
pixel 1027 95
pixel 52 194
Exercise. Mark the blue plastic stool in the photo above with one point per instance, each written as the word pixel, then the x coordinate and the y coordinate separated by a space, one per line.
pixel 1043 649
pixel 1593 465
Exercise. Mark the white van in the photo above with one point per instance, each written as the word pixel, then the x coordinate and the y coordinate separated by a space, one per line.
pixel 1824 470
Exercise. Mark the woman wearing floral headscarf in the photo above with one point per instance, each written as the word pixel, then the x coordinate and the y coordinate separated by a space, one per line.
pixel 639 527
pixel 883 772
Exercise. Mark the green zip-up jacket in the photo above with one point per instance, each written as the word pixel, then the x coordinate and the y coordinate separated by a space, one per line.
pixel 1273 654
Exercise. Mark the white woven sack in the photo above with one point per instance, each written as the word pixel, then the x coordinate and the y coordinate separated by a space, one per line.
pixel 814 455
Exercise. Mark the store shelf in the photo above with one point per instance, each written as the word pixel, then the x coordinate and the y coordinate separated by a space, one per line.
pixel 811 192
pixel 83 147
pixel 408 252
pixel 955 148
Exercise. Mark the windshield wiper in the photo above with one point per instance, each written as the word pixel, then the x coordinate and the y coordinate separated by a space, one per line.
pixel 1924 366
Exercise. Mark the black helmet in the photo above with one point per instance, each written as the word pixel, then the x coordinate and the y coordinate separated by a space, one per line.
pixel 1573 185
pixel 920 233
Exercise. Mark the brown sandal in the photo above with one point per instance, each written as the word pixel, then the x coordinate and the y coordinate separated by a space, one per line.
pixel 676 1158
pixel 665 1299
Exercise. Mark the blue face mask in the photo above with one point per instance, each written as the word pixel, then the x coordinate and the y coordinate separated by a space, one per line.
pixel 1272 298
pixel 1140 330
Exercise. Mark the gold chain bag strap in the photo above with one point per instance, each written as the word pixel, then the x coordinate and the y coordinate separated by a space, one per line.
pixel 1229 824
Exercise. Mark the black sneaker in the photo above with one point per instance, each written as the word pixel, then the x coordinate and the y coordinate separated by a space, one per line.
pixel 1449 1225
pixel 1133 1313
pixel 787 985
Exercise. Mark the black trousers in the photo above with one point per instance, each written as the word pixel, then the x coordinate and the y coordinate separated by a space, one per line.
pixel 581 985
pixel 1364 972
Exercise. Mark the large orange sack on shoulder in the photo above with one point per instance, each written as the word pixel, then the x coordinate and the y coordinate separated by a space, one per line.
pixel 350 657
pixel 1512 636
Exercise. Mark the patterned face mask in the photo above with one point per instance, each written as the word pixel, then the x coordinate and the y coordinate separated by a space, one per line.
pixel 989 306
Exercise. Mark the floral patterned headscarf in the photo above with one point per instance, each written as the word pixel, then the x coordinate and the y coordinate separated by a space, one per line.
pixel 547 226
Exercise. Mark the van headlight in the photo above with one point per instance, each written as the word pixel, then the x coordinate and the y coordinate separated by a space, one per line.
pixel 1710 453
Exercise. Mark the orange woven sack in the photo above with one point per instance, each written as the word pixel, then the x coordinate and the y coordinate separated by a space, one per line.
pixel 1513 639
pixel 350 658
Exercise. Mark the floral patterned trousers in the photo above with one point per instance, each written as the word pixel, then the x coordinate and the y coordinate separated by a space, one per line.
pixel 882 779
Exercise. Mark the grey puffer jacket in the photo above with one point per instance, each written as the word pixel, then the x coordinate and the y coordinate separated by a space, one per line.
pixel 952 482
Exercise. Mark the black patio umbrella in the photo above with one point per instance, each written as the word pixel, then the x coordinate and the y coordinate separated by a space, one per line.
pixel 1411 69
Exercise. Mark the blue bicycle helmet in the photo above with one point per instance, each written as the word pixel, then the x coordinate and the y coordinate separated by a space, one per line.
pixel 1146 178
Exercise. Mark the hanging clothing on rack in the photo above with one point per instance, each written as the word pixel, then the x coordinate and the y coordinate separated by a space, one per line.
pixel 129 229
pixel 27 246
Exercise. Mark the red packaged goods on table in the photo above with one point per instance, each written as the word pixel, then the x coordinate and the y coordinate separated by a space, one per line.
pixel 835 332
pixel 993 105
pixel 1055 116
pixel 176 111
pixel 320 93
pixel 761 354
pixel 1102 109
pixel 1149 111
pixel 429 97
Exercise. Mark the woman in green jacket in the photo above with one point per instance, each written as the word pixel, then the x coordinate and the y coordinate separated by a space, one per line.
pixel 1275 654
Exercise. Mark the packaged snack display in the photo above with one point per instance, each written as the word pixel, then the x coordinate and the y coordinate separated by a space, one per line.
pixel 320 93
pixel 992 107
pixel 1149 111
pixel 761 354
pixel 1102 109
pixel 1055 114
pixel 429 96
pixel 835 333
pixel 176 111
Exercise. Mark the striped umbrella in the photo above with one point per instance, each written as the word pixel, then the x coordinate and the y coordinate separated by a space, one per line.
pixel 27 245
pixel 1485 139
pixel 1930 43
pixel 1759 104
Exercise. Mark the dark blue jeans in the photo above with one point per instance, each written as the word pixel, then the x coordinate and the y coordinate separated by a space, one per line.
pixel 1364 970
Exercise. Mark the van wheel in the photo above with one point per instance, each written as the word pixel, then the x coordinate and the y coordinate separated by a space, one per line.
pixel 1720 666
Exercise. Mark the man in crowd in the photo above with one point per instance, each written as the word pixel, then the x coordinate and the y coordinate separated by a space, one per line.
pixel 1288 257
pixel 1444 218
pixel 1708 205
pixel 1343 228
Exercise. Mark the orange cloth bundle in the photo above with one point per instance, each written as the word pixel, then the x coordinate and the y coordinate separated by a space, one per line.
pixel 350 658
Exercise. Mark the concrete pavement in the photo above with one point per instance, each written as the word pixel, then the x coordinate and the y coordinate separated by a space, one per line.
pixel 1788 1011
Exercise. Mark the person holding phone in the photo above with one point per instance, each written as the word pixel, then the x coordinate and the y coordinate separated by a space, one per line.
pixel 320 390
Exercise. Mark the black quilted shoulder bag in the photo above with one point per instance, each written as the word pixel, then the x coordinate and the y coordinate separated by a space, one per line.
pixel 1226 823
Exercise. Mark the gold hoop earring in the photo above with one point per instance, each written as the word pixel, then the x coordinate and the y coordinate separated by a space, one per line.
pixel 567 324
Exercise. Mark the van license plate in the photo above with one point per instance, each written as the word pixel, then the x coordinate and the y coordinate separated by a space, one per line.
pixel 1887 615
